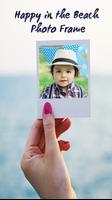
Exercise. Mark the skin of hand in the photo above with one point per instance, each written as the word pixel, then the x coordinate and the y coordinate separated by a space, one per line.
pixel 43 163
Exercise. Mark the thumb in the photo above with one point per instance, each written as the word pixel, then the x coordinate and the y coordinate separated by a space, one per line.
pixel 51 143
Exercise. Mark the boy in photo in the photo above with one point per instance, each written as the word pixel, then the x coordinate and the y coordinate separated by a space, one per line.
pixel 64 70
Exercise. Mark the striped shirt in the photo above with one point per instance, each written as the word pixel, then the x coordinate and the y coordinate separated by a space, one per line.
pixel 55 91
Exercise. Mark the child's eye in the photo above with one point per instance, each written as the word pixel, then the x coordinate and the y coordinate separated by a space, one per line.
pixel 68 71
pixel 58 71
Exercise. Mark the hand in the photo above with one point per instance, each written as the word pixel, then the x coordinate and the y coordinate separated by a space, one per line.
pixel 42 161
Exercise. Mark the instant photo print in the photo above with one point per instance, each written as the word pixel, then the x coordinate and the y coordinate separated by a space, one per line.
pixel 63 77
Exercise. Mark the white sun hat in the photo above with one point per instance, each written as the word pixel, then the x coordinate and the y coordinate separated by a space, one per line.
pixel 65 57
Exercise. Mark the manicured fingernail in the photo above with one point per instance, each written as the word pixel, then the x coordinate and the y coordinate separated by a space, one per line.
pixel 65 142
pixel 64 145
pixel 47 108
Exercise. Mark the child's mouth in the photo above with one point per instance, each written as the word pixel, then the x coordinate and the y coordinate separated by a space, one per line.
pixel 63 80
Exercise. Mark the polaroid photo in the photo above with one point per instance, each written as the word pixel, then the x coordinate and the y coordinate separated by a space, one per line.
pixel 63 77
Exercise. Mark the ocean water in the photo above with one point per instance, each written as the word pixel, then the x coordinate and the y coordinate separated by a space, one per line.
pixel 90 158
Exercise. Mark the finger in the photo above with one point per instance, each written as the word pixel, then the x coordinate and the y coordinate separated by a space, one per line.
pixel 35 134
pixel 34 150
pixel 62 126
pixel 64 145
pixel 58 121
pixel 51 144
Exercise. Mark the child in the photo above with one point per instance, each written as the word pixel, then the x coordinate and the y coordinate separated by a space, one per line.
pixel 64 69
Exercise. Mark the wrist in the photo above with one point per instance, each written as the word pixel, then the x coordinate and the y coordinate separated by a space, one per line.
pixel 67 193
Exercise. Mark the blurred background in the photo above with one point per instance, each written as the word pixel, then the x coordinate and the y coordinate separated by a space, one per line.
pixel 90 158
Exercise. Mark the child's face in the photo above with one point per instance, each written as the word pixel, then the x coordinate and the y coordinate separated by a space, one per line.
pixel 63 75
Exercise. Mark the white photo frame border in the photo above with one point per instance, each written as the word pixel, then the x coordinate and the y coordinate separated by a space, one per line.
pixel 64 107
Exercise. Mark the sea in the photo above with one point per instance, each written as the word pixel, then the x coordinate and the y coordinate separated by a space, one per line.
pixel 89 159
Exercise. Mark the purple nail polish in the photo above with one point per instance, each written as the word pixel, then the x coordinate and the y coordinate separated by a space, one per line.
pixel 47 108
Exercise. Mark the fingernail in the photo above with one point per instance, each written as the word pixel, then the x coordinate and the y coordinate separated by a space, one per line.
pixel 47 108
pixel 64 145
pixel 66 142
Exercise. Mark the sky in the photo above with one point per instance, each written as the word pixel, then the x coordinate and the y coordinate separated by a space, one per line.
pixel 18 45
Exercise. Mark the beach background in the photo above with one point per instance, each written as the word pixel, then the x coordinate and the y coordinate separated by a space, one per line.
pixel 90 158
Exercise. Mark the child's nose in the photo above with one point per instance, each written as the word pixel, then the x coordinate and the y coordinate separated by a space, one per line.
pixel 63 74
